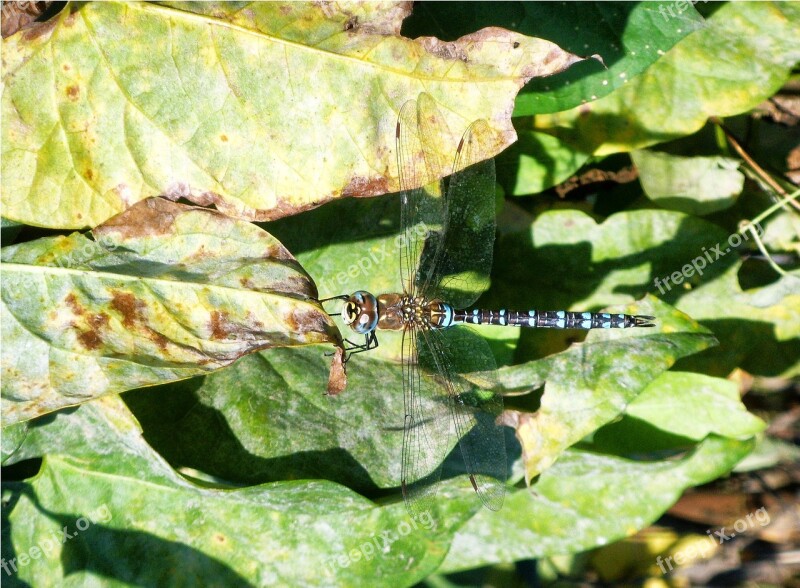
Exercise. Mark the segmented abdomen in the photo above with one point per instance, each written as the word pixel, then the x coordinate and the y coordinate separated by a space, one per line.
pixel 542 319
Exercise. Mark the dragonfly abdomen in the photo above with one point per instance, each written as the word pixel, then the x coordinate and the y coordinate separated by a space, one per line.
pixel 549 319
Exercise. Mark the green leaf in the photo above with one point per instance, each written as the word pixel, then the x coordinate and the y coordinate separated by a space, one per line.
pixel 694 185
pixel 132 518
pixel 264 109
pixel 584 501
pixel 566 259
pixel 749 47
pixel 627 37
pixel 162 292
pixel 536 162
pixel 591 384
pixel 676 410
pixel 694 406
pixel 266 418
pixel 759 327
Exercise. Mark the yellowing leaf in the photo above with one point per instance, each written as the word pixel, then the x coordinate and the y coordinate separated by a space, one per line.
pixel 164 291
pixel 263 111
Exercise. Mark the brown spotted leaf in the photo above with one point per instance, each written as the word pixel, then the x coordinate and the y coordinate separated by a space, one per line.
pixel 263 110
pixel 161 292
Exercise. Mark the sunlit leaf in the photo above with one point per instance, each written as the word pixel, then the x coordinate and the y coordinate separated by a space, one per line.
pixel 627 37
pixel 693 406
pixel 694 185
pixel 759 328
pixel 740 57
pixel 161 292
pixel 566 259
pixel 591 384
pixel 586 500
pixel 264 109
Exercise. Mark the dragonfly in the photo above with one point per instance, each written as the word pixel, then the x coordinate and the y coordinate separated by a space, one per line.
pixel 440 277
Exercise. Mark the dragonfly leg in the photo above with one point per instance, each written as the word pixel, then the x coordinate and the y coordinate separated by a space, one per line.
pixel 340 297
pixel 370 342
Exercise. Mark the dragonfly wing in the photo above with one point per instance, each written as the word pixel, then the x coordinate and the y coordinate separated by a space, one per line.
pixel 427 432
pixel 453 264
pixel 420 170
pixel 463 258
pixel 449 353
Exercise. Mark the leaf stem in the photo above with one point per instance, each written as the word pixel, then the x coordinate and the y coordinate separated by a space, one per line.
pixel 766 177
pixel 790 199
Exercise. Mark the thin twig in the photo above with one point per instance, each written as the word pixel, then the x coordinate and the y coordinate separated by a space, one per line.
pixel 767 178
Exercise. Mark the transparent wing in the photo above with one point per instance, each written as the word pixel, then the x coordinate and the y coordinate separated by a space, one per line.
pixel 419 168
pixel 446 254
pixel 473 412
pixel 448 239
pixel 427 432
pixel 458 260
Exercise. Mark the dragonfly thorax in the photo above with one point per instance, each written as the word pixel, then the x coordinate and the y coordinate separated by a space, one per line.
pixel 364 312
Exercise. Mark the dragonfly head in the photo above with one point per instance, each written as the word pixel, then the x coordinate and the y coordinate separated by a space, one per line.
pixel 360 312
